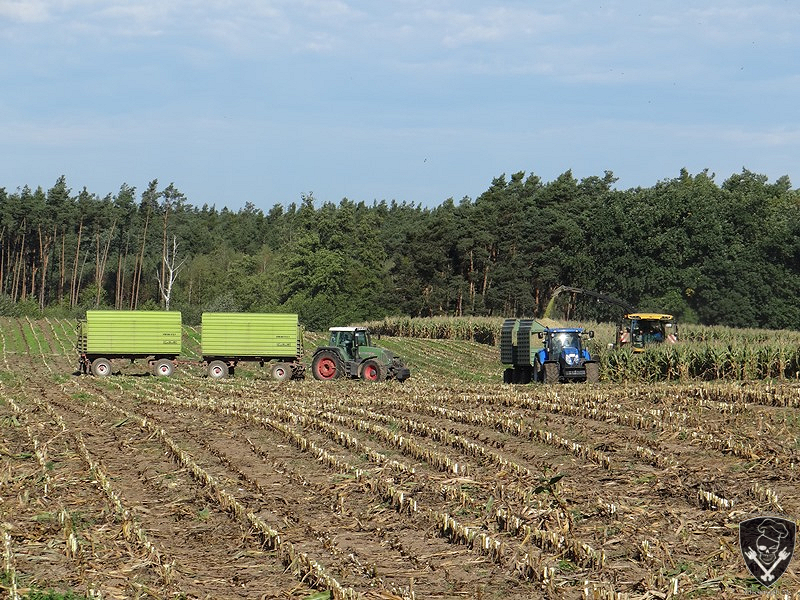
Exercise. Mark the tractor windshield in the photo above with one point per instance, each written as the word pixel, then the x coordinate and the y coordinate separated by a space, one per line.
pixel 647 330
pixel 564 339
pixel 343 339
pixel 350 340
pixel 362 338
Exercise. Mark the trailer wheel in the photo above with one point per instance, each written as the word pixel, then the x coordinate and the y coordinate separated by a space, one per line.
pixel 163 367
pixel 217 369
pixel 592 372
pixel 101 367
pixel 550 372
pixel 372 371
pixel 325 366
pixel 281 371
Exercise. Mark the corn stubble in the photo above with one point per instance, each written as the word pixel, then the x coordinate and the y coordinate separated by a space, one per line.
pixel 632 488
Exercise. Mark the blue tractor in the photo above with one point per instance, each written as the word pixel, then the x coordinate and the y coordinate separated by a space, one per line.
pixel 533 352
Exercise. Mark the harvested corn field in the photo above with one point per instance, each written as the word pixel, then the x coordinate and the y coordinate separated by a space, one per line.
pixel 446 486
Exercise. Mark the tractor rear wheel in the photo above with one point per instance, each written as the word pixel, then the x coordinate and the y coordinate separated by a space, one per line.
pixel 550 372
pixel 217 369
pixel 101 367
pixel 372 370
pixel 281 371
pixel 326 366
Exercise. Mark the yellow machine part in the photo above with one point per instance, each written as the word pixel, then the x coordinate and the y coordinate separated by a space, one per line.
pixel 649 316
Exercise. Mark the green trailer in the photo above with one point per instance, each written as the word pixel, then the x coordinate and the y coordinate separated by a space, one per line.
pixel 106 335
pixel 231 338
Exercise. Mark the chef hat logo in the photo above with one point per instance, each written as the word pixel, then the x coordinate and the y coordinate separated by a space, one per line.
pixel 772 532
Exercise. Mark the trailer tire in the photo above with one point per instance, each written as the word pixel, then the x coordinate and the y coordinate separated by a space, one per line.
pixel 550 372
pixel 326 366
pixel 508 375
pixel 371 370
pixel 281 371
pixel 592 372
pixel 163 367
pixel 217 369
pixel 101 367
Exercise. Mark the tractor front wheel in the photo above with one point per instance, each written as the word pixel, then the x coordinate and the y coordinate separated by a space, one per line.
pixel 325 366
pixel 550 372
pixel 372 371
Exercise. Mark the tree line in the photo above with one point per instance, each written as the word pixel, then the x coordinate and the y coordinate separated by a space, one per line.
pixel 716 254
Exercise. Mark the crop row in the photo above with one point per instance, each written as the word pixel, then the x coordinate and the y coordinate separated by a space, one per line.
pixel 298 562
pixel 434 353
pixel 76 547
pixel 292 426
pixel 306 423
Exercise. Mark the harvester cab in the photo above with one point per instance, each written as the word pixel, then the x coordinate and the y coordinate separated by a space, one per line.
pixel 350 353
pixel 639 330
pixel 636 330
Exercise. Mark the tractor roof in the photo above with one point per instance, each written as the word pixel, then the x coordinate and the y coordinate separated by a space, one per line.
pixel 565 329
pixel 347 329
pixel 649 316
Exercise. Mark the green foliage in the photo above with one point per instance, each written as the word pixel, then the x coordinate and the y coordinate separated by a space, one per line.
pixel 709 253
pixel 21 308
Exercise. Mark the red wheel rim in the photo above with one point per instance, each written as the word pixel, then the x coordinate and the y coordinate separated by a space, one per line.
pixel 280 373
pixel 371 373
pixel 163 369
pixel 326 368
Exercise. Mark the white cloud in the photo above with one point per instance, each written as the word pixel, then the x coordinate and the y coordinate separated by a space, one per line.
pixel 25 11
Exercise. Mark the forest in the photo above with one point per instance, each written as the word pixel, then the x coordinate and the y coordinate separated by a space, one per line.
pixel 710 253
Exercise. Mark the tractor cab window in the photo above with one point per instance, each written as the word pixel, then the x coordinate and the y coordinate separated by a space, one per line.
pixel 564 339
pixel 362 338
pixel 343 339
pixel 648 331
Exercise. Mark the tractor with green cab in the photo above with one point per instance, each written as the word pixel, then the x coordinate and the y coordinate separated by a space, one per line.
pixel 351 354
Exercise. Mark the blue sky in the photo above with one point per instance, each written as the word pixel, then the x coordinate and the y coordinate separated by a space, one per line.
pixel 263 101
